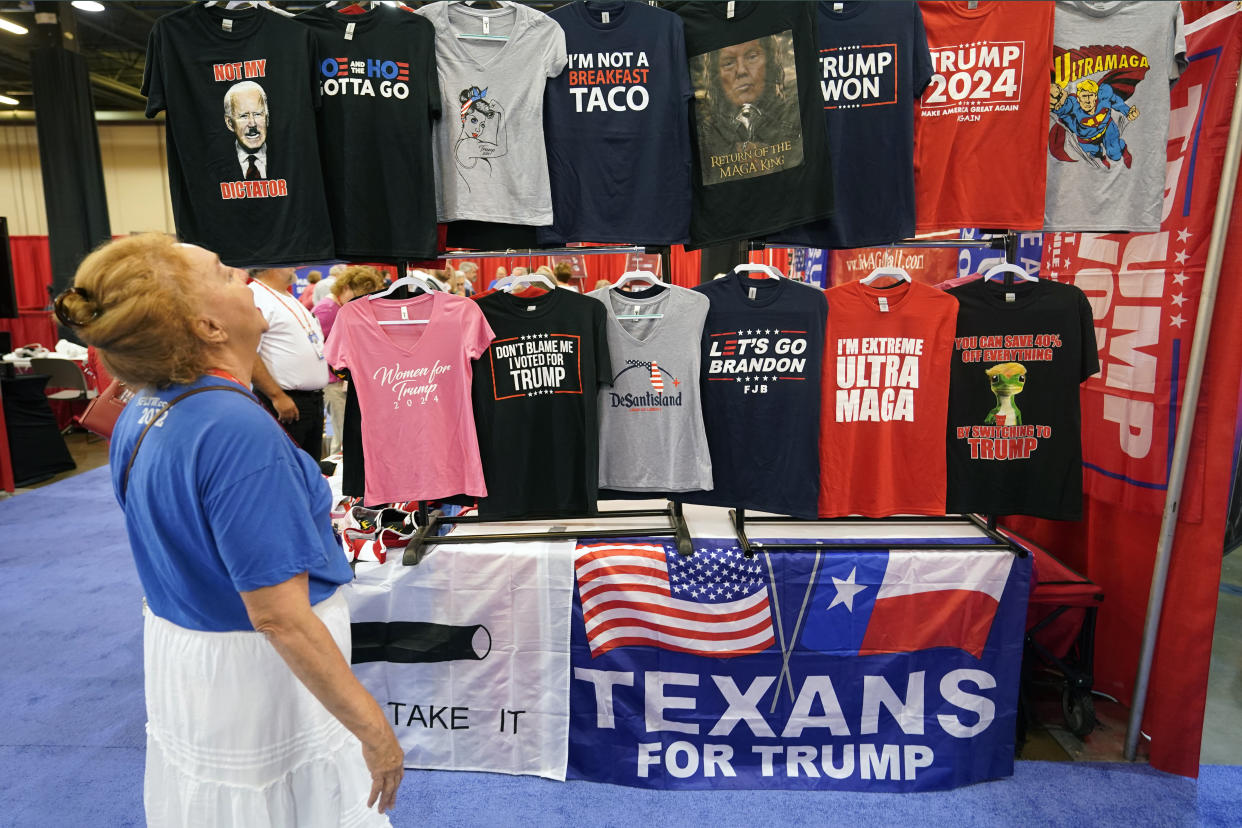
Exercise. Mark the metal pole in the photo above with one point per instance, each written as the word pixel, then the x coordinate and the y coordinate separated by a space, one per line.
pixel 1190 401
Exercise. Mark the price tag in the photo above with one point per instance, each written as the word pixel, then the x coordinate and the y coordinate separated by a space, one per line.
pixel 487 25
pixel 730 10
pixel 1011 297
pixel 884 304
pixel 607 17
pixel 349 31
pixel 227 25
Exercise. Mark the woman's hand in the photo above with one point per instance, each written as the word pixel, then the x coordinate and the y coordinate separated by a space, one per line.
pixel 386 762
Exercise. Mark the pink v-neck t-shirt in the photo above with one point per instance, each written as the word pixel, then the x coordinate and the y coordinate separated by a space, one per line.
pixel 413 385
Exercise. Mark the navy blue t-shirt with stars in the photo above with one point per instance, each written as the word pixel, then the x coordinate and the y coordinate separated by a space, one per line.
pixel 535 404
pixel 762 346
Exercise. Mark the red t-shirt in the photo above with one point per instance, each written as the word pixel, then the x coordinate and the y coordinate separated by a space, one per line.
pixel 886 398
pixel 981 125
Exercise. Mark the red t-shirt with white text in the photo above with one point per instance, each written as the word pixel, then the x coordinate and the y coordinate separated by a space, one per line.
pixel 885 400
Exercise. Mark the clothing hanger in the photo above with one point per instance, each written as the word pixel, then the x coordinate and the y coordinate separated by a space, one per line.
pixel 768 270
pixel 262 4
pixel 487 35
pixel 1005 268
pixel 899 273
pixel 414 278
pixel 511 283
pixel 631 276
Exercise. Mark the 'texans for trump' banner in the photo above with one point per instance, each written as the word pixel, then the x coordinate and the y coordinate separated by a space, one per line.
pixel 853 670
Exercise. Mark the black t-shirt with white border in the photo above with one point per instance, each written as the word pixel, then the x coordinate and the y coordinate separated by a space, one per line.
pixel 535 404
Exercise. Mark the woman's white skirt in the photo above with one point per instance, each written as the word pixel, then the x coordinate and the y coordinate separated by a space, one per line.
pixel 234 738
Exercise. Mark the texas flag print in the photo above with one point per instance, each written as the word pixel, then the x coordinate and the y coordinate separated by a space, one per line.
pixel 905 600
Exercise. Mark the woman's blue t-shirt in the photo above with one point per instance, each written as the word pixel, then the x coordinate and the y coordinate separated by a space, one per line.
pixel 220 501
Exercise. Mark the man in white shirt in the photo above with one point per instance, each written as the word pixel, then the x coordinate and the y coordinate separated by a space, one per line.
pixel 290 371
pixel 245 114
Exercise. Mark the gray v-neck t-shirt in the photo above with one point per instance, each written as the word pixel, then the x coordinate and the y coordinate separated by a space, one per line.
pixel 651 433
pixel 490 160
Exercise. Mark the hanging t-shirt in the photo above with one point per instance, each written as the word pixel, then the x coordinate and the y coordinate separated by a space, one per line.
pixel 873 62
pixel 491 164
pixel 1112 64
pixel 617 127
pixel 759 146
pixel 652 437
pixel 413 384
pixel 243 162
pixel 381 96
pixel 535 402
pixel 886 391
pixel 1014 431
pixel 982 117
pixel 762 345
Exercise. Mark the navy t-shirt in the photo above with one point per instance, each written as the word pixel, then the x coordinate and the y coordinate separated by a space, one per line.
pixel 220 501
pixel 873 64
pixel 616 126
pixel 763 343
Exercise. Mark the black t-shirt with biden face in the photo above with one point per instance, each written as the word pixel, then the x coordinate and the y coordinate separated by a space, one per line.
pixel 243 159
pixel 380 95
pixel 873 63
pixel 1015 424
pixel 616 127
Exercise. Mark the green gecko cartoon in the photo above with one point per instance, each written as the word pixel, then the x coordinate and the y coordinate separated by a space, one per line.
pixel 1008 379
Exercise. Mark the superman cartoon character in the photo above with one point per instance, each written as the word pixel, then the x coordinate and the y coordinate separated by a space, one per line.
pixel 1087 115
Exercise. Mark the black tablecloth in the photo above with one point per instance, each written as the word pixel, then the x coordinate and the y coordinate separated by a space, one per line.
pixel 36 445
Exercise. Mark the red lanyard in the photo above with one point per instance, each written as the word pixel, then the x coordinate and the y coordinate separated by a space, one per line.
pixel 310 333
pixel 222 374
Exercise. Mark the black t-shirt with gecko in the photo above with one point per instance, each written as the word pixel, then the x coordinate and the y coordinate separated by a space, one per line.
pixel 1015 425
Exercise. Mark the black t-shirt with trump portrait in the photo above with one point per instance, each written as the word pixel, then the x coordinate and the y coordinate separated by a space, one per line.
pixel 380 92
pixel 759 144
pixel 243 160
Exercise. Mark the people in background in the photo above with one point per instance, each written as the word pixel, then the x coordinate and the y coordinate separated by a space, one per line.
pixel 253 714
pixel 355 280
pixel 501 273
pixel 470 272
pixel 325 285
pixel 289 370
pixel 307 298
pixel 602 283
pixel 458 284
pixel 564 273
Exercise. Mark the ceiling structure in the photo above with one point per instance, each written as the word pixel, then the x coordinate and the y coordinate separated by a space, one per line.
pixel 114 43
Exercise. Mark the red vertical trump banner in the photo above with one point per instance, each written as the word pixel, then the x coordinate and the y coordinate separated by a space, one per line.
pixel 1144 290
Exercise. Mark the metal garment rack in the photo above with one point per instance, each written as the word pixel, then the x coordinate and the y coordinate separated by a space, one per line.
pixel 430 522
pixel 987 527
pixel 1005 240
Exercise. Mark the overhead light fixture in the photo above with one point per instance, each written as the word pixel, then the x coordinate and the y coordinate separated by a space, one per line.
pixel 10 26
pixel 7 101
pixel 87 5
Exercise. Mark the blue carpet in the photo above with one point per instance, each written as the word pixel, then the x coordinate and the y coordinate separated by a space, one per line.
pixel 72 751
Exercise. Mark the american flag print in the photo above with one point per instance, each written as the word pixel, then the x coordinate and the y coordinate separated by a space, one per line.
pixel 657 381
pixel 713 603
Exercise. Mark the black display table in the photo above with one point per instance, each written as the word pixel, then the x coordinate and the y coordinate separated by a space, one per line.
pixel 36 445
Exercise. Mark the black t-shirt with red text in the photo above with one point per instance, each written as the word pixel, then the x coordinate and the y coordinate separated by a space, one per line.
pixel 243 159
pixel 1015 424
pixel 536 409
